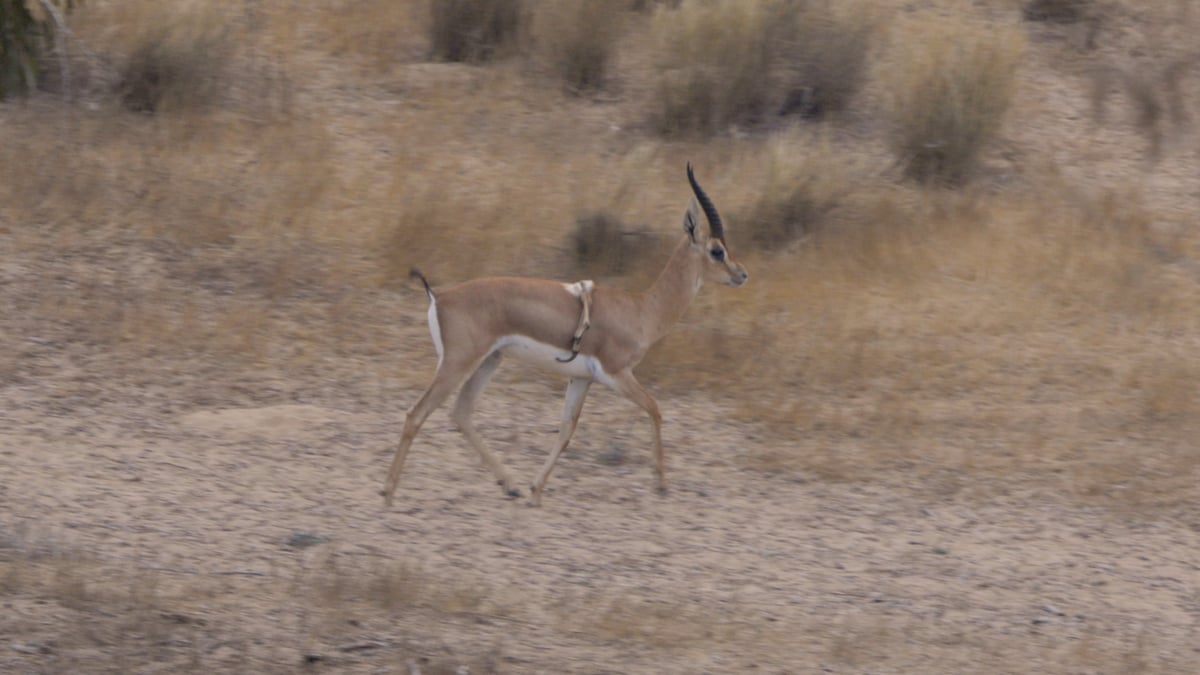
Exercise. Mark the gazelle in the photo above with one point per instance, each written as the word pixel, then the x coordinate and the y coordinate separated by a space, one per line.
pixel 476 323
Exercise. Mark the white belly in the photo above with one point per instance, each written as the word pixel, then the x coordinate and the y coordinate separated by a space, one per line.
pixel 546 357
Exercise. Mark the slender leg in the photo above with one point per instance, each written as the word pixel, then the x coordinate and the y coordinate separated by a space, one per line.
pixel 577 390
pixel 448 376
pixel 465 405
pixel 628 386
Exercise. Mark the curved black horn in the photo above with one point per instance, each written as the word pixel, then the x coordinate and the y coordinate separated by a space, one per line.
pixel 715 228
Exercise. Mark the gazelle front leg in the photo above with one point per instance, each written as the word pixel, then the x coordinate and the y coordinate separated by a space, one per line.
pixel 577 390
pixel 628 386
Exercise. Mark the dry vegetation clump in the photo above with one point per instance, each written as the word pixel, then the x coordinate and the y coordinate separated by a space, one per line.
pixel 578 39
pixel 380 33
pixel 1153 68
pixel 713 60
pixel 826 58
pixel 949 86
pixel 1057 11
pixel 724 63
pixel 474 30
pixel 167 58
pixel 604 246
pixel 28 36
pixel 804 185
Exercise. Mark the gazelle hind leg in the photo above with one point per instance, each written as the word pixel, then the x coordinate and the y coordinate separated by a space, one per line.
pixel 576 393
pixel 628 386
pixel 445 380
pixel 465 406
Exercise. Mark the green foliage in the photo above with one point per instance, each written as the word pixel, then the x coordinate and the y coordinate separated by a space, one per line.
pixel 26 36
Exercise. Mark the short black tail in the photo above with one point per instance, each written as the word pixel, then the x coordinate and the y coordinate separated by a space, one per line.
pixel 414 272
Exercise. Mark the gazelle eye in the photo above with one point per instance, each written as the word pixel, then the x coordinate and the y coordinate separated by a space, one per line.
pixel 717 253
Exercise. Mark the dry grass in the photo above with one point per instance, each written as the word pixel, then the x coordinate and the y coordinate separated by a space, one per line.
pixel 1034 330
pixel 714 58
pixel 897 313
pixel 805 184
pixel 578 40
pixel 741 64
pixel 474 30
pixel 826 56
pixel 950 85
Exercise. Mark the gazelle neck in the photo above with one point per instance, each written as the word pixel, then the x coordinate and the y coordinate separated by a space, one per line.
pixel 669 296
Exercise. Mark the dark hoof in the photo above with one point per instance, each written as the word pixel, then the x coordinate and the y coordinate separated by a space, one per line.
pixel 509 492
pixel 662 490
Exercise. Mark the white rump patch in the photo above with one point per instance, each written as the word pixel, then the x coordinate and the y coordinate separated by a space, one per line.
pixel 435 330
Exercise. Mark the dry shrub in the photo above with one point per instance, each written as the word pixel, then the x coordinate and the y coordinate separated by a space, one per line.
pixel 950 84
pixel 605 246
pixel 578 39
pixel 168 57
pixel 1155 91
pixel 826 56
pixel 380 32
pixel 714 59
pixel 735 62
pixel 473 30
pixel 1056 11
pixel 394 586
pixel 803 187
pixel 1167 387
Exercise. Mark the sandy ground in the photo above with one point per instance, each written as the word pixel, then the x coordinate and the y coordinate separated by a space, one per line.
pixel 166 509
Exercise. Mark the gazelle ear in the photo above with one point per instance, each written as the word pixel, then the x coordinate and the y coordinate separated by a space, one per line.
pixel 691 219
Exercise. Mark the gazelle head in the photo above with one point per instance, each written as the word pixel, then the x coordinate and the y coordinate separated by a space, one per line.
pixel 717 262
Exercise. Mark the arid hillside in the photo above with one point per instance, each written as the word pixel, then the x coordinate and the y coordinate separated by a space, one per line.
pixel 948 426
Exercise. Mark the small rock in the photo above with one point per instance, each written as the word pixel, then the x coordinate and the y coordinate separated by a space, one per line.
pixel 305 539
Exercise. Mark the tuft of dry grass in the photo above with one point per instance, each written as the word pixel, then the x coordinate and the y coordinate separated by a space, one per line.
pixel 826 56
pixel 1056 11
pixel 604 246
pixel 474 30
pixel 714 59
pixel 949 85
pixel 1156 92
pixel 578 39
pixel 726 63
pixel 166 58
pixel 805 183
pixel 379 33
